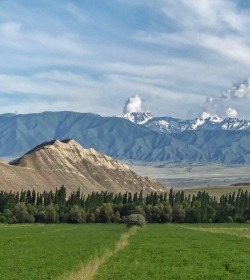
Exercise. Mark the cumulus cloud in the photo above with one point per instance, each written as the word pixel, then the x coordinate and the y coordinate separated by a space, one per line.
pixel 231 113
pixel 133 104
pixel 211 106
pixel 205 115
pixel 224 104
pixel 238 91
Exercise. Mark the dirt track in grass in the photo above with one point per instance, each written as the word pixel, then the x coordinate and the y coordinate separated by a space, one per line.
pixel 88 270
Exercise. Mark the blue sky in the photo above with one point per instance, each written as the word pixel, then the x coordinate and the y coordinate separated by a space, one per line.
pixel 91 56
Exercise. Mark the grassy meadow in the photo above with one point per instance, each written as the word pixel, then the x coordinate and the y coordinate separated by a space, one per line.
pixel 166 251
pixel 110 251
pixel 47 251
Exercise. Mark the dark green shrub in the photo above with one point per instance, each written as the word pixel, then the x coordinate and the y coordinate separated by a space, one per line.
pixel 40 217
pixel 2 219
pixel 11 220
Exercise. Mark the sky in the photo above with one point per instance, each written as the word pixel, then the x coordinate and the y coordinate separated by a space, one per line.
pixel 181 58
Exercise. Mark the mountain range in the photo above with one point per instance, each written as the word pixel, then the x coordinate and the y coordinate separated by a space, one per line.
pixel 145 138
pixel 174 125
pixel 55 163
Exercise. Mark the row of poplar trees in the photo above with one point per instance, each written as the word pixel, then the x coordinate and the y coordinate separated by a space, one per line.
pixel 58 207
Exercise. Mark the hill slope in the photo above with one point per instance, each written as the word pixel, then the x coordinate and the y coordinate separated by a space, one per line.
pixel 14 178
pixel 56 163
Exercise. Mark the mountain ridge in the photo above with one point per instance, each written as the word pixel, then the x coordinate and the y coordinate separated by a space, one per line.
pixel 123 139
pixel 169 125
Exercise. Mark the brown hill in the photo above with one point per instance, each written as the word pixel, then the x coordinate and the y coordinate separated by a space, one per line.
pixel 14 178
pixel 56 163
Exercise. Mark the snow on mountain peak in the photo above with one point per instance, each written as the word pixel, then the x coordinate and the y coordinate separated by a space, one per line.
pixel 172 125
pixel 138 117
pixel 133 112
pixel 215 119
pixel 197 123
pixel 208 120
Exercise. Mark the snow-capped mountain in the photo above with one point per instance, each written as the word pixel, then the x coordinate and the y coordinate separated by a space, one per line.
pixel 169 125
pixel 211 123
pixel 123 139
pixel 173 125
pixel 138 117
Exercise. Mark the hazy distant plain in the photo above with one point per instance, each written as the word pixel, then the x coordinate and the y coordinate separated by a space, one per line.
pixel 193 175
pixel 178 176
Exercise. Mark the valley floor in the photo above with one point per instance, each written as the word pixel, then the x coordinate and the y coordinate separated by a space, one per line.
pixel 193 175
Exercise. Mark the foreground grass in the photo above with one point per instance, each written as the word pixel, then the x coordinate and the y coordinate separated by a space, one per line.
pixel 183 252
pixel 89 270
pixel 108 251
pixel 47 251
pixel 240 230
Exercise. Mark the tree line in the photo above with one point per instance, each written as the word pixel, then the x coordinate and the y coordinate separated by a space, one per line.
pixel 29 206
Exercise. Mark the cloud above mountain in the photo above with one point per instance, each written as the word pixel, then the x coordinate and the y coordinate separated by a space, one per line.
pixel 133 104
pixel 89 55
pixel 226 103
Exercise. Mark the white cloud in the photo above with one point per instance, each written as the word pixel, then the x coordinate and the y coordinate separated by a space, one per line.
pixel 196 49
pixel 231 113
pixel 133 104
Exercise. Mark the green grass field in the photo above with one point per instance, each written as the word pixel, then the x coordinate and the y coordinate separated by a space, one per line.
pixel 183 252
pixel 158 251
pixel 47 251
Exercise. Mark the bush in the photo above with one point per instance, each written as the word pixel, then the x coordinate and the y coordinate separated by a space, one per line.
pixel 11 220
pixel 76 215
pixel 135 220
pixel 2 219
pixel 40 217
pixel 230 219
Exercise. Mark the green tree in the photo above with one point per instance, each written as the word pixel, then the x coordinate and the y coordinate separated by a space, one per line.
pixel 21 214
pixel 178 214
pixel 166 213
pixel 51 214
pixel 106 213
pixel 77 215
pixel 117 217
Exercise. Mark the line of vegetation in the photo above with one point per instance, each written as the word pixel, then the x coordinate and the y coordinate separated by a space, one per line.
pixel 104 207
